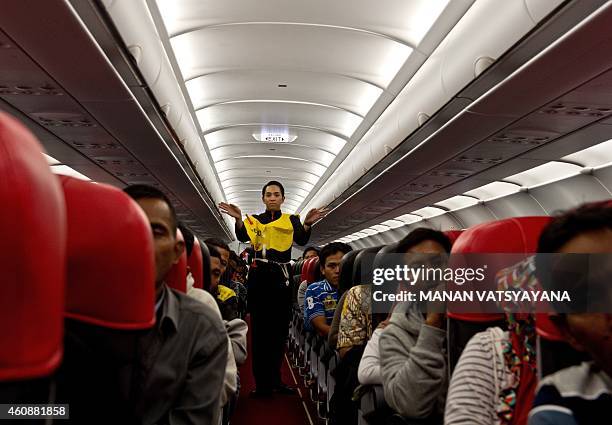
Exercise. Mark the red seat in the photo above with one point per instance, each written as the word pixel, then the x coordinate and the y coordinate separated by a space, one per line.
pixel 453 235
pixel 111 260
pixel 310 271
pixel 517 235
pixel 32 257
pixel 177 276
pixel 196 266
pixel 513 235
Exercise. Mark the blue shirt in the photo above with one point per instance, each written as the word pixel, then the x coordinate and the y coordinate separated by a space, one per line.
pixel 320 300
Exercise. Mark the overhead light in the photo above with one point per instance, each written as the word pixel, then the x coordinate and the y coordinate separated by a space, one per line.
pixel 51 160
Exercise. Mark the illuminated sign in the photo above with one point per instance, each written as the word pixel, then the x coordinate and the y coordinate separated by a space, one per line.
pixel 274 136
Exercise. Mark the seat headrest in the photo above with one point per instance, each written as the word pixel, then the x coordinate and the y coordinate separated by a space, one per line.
pixel 453 235
pixel 111 258
pixel 309 270
pixel 512 235
pixel 196 266
pixel 206 277
pixel 364 258
pixel 346 271
pixel 547 329
pixel 177 276
pixel 32 257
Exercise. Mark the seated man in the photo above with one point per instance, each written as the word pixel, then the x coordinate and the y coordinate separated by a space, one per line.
pixel 309 252
pixel 579 394
pixel 183 357
pixel 225 297
pixel 321 297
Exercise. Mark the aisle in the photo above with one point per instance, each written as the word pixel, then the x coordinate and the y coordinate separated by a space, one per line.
pixel 276 410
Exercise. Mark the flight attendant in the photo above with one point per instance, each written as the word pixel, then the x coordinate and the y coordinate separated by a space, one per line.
pixel 271 234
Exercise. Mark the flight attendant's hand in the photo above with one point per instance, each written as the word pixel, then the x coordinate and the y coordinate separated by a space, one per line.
pixel 315 215
pixel 231 210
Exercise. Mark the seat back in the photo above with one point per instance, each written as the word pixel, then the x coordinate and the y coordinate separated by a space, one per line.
pixel 111 258
pixel 206 269
pixel 177 276
pixel 517 235
pixel 195 265
pixel 314 272
pixel 346 271
pixel 453 235
pixel 363 263
pixel 32 259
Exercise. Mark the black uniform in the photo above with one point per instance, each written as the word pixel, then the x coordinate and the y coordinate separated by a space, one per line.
pixel 269 300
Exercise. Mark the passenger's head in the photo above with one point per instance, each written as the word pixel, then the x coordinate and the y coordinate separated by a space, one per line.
pixel 330 258
pixel 584 230
pixel 162 217
pixel 189 238
pixel 273 195
pixel 222 248
pixel 424 241
pixel 215 267
pixel 310 252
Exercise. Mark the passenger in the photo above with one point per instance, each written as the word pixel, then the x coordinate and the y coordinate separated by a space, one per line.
pixel 334 328
pixel 225 282
pixel 494 379
pixel 321 297
pixel 227 302
pixel 369 366
pixel 413 364
pixel 225 297
pixel 355 326
pixel 232 279
pixel 271 234
pixel 309 252
pixel 183 360
pixel 580 394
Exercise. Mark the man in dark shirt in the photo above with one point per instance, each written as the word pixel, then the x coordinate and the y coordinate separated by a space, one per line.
pixel 271 234
pixel 183 357
pixel 225 297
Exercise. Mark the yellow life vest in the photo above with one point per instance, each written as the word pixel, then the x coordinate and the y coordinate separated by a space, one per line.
pixel 277 235
pixel 224 293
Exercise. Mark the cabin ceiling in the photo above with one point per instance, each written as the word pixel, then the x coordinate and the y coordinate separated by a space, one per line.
pixel 315 73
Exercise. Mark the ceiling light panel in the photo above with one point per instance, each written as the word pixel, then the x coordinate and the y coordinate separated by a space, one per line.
pixel 67 171
pixel 337 121
pixel 407 21
pixel 429 212
pixel 260 174
pixel 457 202
pixel 594 156
pixel 51 160
pixel 408 218
pixel 545 173
pixel 272 150
pixel 261 162
pixel 335 90
pixel 393 224
pixel 493 190
pixel 283 46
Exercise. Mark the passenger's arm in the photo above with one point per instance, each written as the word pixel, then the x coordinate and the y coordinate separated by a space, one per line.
pixel 332 338
pixel 237 330
pixel 320 325
pixel 199 401
pixel 471 394
pixel 369 366
pixel 413 371
pixel 301 294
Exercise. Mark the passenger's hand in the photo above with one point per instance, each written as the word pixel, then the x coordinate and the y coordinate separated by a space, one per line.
pixel 437 320
pixel 231 210
pixel 315 215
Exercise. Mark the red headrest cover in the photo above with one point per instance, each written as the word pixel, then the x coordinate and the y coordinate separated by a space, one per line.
pixel 305 267
pixel 453 235
pixel 511 235
pixel 111 260
pixel 32 257
pixel 313 270
pixel 196 266
pixel 177 276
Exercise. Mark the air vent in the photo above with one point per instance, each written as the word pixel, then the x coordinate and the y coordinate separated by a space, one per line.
pixel 47 122
pixel 478 160
pixel 523 140
pixel 86 146
pixel 29 91
pixel 577 110
pixel 450 173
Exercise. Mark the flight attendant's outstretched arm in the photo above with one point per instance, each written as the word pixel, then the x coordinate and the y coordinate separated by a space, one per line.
pixel 235 212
